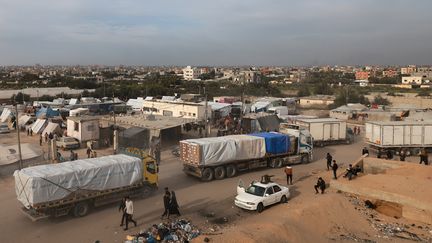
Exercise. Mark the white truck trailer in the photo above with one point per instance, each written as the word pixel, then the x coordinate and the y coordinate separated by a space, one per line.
pixel 397 135
pixel 326 131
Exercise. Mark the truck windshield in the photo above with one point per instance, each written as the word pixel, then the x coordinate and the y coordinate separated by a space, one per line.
pixel 256 190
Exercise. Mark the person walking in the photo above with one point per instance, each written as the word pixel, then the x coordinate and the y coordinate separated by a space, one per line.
pixel 122 208
pixel 166 201
pixel 424 156
pixel 289 174
pixel 329 161
pixel 320 185
pixel 129 213
pixel 46 137
pixel 88 152
pixel 72 155
pixel 389 154
pixel 173 205
pixel 334 168
pixel 40 140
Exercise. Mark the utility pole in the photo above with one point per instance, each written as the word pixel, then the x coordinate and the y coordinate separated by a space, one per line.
pixel 206 113
pixel 18 134
pixel 115 133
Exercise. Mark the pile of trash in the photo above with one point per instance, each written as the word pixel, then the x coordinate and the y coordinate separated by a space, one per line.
pixel 179 230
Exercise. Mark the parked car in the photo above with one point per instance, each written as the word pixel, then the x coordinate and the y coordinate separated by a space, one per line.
pixel 4 128
pixel 67 143
pixel 260 195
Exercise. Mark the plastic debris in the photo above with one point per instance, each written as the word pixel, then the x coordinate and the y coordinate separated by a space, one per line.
pixel 178 230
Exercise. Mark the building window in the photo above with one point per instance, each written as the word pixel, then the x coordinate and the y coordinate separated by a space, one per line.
pixel 76 126
pixel 194 114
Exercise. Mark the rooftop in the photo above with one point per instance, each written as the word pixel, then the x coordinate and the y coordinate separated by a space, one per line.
pixel 158 123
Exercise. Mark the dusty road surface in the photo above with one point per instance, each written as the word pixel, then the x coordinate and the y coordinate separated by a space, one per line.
pixel 196 200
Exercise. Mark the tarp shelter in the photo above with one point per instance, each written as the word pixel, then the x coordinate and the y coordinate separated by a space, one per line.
pixel 261 106
pixel 39 126
pixel 9 157
pixel 136 104
pixel 219 109
pixel 53 128
pixel 5 114
pixel 136 137
pixel 24 120
pixel 46 112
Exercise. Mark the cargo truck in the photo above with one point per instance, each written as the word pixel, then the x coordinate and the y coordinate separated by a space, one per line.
pixel 224 157
pixel 75 187
pixel 327 131
pixel 410 136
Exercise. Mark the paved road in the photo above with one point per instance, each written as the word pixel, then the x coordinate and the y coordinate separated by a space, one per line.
pixel 194 197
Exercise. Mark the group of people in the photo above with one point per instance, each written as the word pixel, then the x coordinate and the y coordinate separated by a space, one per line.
pixel 126 207
pixel 403 154
pixel 91 153
pixel 356 130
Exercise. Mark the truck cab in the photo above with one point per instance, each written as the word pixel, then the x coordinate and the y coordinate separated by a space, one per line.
pixel 303 141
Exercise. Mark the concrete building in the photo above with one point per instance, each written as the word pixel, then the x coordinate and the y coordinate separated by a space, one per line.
pixel 190 73
pixel 416 80
pixel 176 109
pixel 84 128
pixel 318 100
pixel 362 75
pixel 408 70
pixel 389 73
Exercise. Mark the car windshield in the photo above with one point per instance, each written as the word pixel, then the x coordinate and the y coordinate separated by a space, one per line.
pixel 69 140
pixel 256 190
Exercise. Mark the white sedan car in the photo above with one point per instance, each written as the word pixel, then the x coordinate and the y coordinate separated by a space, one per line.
pixel 260 195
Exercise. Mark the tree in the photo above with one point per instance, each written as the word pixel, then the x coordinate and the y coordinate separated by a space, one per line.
pixel 379 100
pixel 303 91
pixel 322 88
pixel 46 98
pixel 347 95
pixel 20 97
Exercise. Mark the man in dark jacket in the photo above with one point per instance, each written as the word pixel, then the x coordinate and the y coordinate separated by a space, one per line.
pixel 334 168
pixel 365 151
pixel 166 200
pixel 329 161
pixel 321 185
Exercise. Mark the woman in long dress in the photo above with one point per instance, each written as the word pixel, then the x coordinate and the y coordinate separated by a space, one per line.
pixel 173 205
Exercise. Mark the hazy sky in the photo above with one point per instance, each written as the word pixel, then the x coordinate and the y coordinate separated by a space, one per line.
pixel 221 32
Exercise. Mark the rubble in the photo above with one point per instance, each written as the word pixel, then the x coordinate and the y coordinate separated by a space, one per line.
pixel 178 230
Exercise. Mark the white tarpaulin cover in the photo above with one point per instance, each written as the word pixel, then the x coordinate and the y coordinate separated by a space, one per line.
pixel 5 114
pixel 39 125
pixel 53 128
pixel 229 148
pixel 44 183
pixel 23 120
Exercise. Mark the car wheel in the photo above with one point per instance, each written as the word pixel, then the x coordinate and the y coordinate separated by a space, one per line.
pixel 260 207
pixel 283 199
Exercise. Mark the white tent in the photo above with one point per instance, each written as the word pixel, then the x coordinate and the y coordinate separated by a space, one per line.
pixel 136 104
pixel 5 114
pixel 39 125
pixel 23 120
pixel 53 128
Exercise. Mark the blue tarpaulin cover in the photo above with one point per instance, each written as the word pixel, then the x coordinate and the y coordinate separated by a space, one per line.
pixel 46 112
pixel 276 143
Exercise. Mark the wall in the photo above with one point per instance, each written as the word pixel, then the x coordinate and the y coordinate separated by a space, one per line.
pixel 89 130
pixel 406 99
pixel 184 110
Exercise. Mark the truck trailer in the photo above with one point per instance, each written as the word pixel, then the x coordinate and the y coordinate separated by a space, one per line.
pixel 224 157
pixel 326 131
pixel 397 135
pixel 54 190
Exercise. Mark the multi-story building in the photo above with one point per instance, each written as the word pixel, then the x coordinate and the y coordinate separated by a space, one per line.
pixel 390 73
pixel 416 80
pixel 408 70
pixel 362 75
pixel 190 73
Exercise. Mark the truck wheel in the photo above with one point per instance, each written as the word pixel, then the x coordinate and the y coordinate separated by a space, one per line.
pixel 219 173
pixel 81 209
pixel 231 171
pixel 260 207
pixel 275 163
pixel 279 163
pixel 207 174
